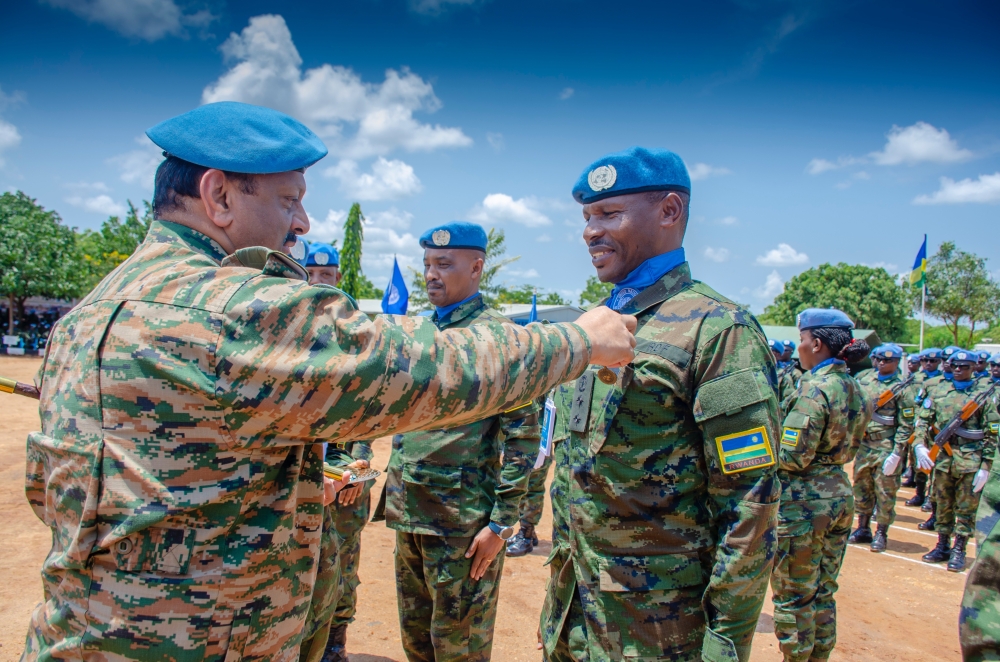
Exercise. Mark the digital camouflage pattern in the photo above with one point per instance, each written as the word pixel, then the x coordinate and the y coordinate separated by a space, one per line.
pixel 533 502
pixel 821 433
pixel 326 591
pixel 671 494
pixel 177 466
pixel 350 521
pixel 954 499
pixel 449 484
pixel 788 381
pixel 979 618
pixel 888 432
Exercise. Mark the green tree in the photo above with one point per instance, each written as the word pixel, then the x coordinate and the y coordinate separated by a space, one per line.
pixel 870 296
pixel 367 289
pixel 350 256
pixel 39 256
pixel 960 292
pixel 594 292
pixel 522 294
pixel 114 243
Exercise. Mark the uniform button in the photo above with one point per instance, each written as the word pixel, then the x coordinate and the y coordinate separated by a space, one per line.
pixel 124 546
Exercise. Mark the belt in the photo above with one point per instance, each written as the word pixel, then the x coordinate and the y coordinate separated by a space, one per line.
pixel 879 435
pixel 884 420
pixel 972 435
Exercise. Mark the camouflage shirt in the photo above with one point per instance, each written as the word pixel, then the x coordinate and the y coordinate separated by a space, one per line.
pixel 826 419
pixel 176 466
pixel 451 482
pixel 974 444
pixel 671 479
pixel 889 429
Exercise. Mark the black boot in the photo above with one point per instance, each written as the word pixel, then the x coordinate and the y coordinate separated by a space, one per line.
pixel 336 645
pixel 927 506
pixel 881 538
pixel 909 479
pixel 863 533
pixel 523 541
pixel 918 498
pixel 929 524
pixel 957 561
pixel 941 552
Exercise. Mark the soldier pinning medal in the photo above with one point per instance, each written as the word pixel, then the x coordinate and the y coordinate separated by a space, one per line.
pixel 670 495
pixel 186 400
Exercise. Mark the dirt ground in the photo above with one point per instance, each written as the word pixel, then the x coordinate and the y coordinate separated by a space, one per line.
pixel 890 606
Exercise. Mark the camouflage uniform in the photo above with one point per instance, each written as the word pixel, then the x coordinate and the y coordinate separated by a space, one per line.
pixel 954 500
pixel 887 433
pixel 979 618
pixel 442 487
pixel 350 520
pixel 176 466
pixel 671 493
pixel 533 502
pixel 788 381
pixel 825 421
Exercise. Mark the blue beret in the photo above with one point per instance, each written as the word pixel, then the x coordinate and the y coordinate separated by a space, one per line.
pixel 982 355
pixel 300 250
pixel 322 255
pixel 777 346
pixel 963 356
pixel 239 137
pixel 814 318
pixel 949 350
pixel 455 235
pixel 635 170
pixel 788 343
pixel 888 351
pixel 931 353
pixel 995 359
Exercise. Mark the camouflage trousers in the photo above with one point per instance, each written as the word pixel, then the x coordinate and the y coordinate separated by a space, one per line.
pixel 443 613
pixel 954 500
pixel 533 503
pixel 326 593
pixel 812 540
pixel 979 618
pixel 350 559
pixel 872 487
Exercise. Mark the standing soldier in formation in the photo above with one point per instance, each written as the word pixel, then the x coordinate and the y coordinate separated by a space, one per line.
pixel 982 364
pixel 448 496
pixel 959 475
pixel 995 367
pixel 876 466
pixel 786 378
pixel 182 402
pixel 825 420
pixel 672 495
pixel 930 373
pixel 532 505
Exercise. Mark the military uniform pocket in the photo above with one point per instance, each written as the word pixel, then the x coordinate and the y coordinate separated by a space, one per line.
pixel 433 493
pixel 622 574
pixel 718 648
pixel 158 550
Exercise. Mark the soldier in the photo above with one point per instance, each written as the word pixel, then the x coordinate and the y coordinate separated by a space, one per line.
pixel 526 539
pixel 182 399
pixel 930 373
pixel 946 367
pixel 907 410
pixel 982 364
pixel 961 474
pixel 788 372
pixel 913 362
pixel 876 466
pixel 826 418
pixel 995 367
pixel 448 496
pixel 672 494
pixel 323 264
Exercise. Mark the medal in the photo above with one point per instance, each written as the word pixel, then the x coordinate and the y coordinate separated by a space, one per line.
pixel 357 475
pixel 607 375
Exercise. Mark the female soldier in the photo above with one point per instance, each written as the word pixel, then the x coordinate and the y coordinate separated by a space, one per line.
pixel 826 419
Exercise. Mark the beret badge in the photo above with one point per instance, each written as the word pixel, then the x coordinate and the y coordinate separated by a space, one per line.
pixel 321 258
pixel 441 237
pixel 602 178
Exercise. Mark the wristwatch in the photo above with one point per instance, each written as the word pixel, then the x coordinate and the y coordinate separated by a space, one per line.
pixel 505 532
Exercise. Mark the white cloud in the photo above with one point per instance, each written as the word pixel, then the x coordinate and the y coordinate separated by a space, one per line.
pixel 728 220
pixel 542 238
pixel 717 254
pixel 392 218
pixel 525 274
pixel 330 99
pixel 984 189
pixel 387 179
pixel 566 93
pixel 139 165
pixel 330 228
pixel 495 140
pixel 498 208
pixel 819 166
pixel 384 239
pixel 99 204
pixel 10 137
pixel 143 19
pixel 704 171
pixel 782 256
pixel 919 143
pixel 771 288
pixel 435 7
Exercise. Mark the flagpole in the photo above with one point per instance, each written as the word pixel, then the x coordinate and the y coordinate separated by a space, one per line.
pixel 923 299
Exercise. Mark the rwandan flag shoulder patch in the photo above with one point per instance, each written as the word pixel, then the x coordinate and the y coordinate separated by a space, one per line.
pixel 746 450
pixel 790 437
pixel 995 428
pixel 908 412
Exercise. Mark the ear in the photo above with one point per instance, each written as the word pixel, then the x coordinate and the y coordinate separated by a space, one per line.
pixel 477 267
pixel 215 197
pixel 671 210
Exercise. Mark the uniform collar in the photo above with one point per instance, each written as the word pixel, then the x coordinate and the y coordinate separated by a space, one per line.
pixel 928 374
pixel 961 386
pixel 833 364
pixel 643 276
pixel 667 286
pixel 170 232
pixel 455 312
pixel 885 378
pixel 950 376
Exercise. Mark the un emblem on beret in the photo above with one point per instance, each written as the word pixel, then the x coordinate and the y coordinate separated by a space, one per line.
pixel 441 237
pixel 321 258
pixel 888 355
pixel 602 178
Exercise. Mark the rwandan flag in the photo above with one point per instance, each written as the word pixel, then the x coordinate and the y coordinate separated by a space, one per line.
pixel 919 273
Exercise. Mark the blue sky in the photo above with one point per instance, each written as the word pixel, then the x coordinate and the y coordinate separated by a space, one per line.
pixel 816 131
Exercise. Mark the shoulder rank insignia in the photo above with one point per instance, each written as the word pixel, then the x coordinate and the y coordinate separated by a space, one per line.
pixel 746 450
pixel 790 437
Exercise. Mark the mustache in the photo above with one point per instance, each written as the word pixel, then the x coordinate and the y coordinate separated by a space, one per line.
pixel 291 238
pixel 597 243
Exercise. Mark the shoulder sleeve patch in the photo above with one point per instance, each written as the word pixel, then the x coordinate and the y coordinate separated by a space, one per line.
pixel 790 437
pixel 796 420
pixel 907 412
pixel 742 451
pixel 995 428
pixel 728 395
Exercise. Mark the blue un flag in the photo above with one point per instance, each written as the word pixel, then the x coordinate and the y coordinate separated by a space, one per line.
pixel 396 296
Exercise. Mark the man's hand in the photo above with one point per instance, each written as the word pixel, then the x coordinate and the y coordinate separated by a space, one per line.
pixel 331 487
pixel 891 464
pixel 350 494
pixel 924 461
pixel 611 336
pixel 485 546
pixel 979 482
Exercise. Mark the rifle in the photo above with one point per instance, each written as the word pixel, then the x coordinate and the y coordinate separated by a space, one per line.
pixel 943 438
pixel 891 394
pixel 19 388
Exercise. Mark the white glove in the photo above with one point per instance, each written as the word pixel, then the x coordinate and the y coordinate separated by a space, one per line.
pixel 924 461
pixel 980 480
pixel 890 465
